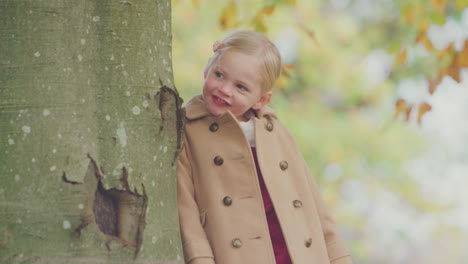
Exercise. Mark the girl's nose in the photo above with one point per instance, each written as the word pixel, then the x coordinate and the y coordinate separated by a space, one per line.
pixel 225 89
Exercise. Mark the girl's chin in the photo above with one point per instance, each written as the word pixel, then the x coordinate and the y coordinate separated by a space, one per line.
pixel 216 112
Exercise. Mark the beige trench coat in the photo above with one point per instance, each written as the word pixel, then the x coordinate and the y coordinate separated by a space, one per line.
pixel 221 210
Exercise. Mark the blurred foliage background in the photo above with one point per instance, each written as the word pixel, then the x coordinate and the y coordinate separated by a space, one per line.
pixel 376 95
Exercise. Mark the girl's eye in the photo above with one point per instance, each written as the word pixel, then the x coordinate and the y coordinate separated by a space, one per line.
pixel 218 74
pixel 241 87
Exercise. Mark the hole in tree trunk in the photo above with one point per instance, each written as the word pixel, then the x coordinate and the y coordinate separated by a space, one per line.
pixel 121 213
pixel 105 211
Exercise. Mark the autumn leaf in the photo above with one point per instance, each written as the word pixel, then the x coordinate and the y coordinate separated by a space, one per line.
pixel 259 24
pixel 439 5
pixel 290 67
pixel 462 57
pixel 461 3
pixel 432 85
pixel 424 24
pixel 228 17
pixel 408 112
pixel 258 20
pixel 400 106
pixel 438 18
pixel 281 83
pixel 412 12
pixel 196 3
pixel 400 59
pixel 447 52
pixel 268 10
pixel 452 70
pixel 291 2
pixel 423 108
pixel 423 39
pixel 309 32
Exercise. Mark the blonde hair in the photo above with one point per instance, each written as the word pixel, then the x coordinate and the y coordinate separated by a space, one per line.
pixel 254 44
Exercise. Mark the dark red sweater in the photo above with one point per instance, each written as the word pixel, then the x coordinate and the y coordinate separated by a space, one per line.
pixel 279 245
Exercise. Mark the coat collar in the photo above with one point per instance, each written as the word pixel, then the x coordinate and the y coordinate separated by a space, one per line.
pixel 195 108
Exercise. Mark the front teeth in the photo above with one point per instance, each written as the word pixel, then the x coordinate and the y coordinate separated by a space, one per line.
pixel 221 101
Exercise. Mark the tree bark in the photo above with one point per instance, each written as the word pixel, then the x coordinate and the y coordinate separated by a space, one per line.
pixel 90 126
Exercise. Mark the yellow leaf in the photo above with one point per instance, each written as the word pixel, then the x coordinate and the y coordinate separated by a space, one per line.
pixel 259 23
pixel 439 5
pixel 424 24
pixel 432 85
pixel 462 57
pixel 400 106
pixel 196 3
pixel 423 108
pixel 268 10
pixel 258 20
pixel 452 70
pixel 400 58
pixel 423 39
pixel 281 83
pixel 292 2
pixel 228 17
pixel 412 12
pixel 309 32
pixel 290 67
pixel 461 4
pixel 448 51
pixel 408 112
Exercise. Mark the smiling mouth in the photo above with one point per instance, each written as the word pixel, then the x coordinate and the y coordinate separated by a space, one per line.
pixel 220 101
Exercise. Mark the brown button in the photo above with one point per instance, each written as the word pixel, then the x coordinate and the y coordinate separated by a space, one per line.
pixel 269 126
pixel 214 127
pixel 308 242
pixel 218 160
pixel 283 165
pixel 237 243
pixel 227 201
pixel 297 203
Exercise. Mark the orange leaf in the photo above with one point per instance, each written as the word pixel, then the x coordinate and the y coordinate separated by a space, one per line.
pixel 439 5
pixel 258 19
pixel 268 10
pixel 281 82
pixel 309 32
pixel 423 39
pixel 411 12
pixel 448 51
pixel 400 106
pixel 424 24
pixel 432 85
pixel 400 58
pixel 228 17
pixel 462 57
pixel 290 67
pixel 259 24
pixel 408 112
pixel 452 71
pixel 423 108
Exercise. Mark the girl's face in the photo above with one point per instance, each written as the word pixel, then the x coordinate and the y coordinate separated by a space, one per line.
pixel 235 85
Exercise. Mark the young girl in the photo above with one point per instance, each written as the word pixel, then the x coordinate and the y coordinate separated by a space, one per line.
pixel 246 195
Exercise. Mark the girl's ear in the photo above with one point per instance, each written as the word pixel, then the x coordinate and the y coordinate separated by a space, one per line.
pixel 264 100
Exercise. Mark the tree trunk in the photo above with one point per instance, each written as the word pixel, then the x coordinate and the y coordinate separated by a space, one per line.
pixel 89 132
